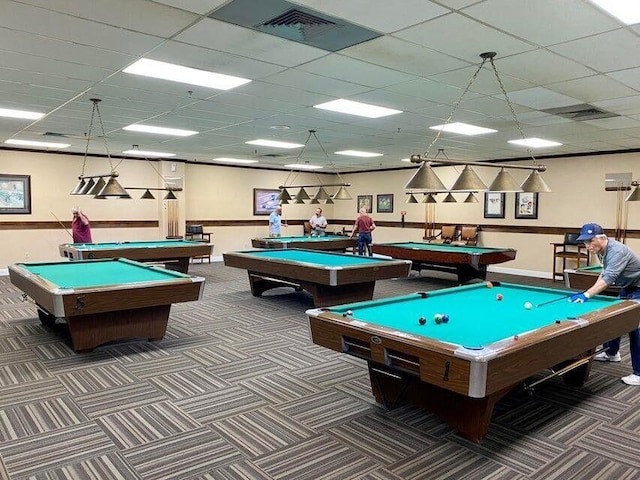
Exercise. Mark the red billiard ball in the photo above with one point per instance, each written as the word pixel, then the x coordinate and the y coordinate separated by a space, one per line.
pixel 499 297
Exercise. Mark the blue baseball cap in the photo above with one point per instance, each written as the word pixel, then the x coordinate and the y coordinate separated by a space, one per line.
pixel 589 231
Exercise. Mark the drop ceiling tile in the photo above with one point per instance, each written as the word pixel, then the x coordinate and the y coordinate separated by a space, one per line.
pixel 201 7
pixel 629 76
pixel 542 67
pixel 592 89
pixel 615 122
pixel 540 98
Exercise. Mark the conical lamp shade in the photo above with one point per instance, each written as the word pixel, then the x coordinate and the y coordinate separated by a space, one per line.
pixel 97 187
pixel 302 194
pixel 88 186
pixel 113 189
pixel 314 201
pixel 342 194
pixel 504 182
pixel 147 195
pixel 284 202
pixel 429 198
pixel 79 187
pixel 170 196
pixel 449 199
pixel 126 197
pixel 425 179
pixel 412 199
pixel 634 196
pixel 329 201
pixel 284 195
pixel 468 180
pixel 535 183
pixel 298 200
pixel 322 194
pixel 471 198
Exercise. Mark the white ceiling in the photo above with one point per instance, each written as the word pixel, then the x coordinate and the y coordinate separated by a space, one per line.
pixel 57 54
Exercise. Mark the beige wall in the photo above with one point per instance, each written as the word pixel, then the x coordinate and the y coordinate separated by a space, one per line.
pixel 225 193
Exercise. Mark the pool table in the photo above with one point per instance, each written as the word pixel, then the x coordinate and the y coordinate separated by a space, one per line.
pixel 338 243
pixel 460 369
pixel 467 262
pixel 330 277
pixel 174 253
pixel 584 277
pixel 107 299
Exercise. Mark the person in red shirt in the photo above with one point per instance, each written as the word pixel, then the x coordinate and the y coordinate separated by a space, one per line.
pixel 80 227
pixel 363 227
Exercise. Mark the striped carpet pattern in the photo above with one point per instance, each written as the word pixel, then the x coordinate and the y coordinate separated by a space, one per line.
pixel 236 390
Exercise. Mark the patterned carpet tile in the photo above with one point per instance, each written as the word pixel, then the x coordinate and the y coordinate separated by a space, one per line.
pixel 18 356
pixel 184 344
pixel 280 387
pixel 53 351
pixel 109 466
pixel 261 431
pixel 113 400
pixel 262 345
pixel 182 456
pixel 97 358
pixel 332 373
pixel 26 372
pixel 11 344
pixel 158 366
pixel 188 384
pixel 215 406
pixel 216 355
pixel 615 444
pixel 324 410
pixel 54 449
pixel 580 400
pixel 319 458
pixel 80 382
pixel 294 357
pixel 244 369
pixel 236 471
pixel 138 426
pixel 135 352
pixel 234 335
pixel 39 390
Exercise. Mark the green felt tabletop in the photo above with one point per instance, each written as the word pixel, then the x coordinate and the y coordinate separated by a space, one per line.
pixel 476 317
pixel 591 269
pixel 149 244
pixel 316 257
pixel 303 238
pixel 98 273
pixel 442 247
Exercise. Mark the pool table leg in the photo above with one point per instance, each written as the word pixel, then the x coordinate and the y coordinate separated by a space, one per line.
pixel 178 265
pixel 46 318
pixel 467 273
pixel 470 416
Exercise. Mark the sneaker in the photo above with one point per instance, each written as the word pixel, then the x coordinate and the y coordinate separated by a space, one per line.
pixel 632 379
pixel 605 357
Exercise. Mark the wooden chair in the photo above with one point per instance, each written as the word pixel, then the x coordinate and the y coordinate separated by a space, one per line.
pixel 468 235
pixel 569 249
pixel 197 233
pixel 448 234
pixel 307 228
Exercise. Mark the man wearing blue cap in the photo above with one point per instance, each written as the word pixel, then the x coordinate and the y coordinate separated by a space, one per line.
pixel 620 266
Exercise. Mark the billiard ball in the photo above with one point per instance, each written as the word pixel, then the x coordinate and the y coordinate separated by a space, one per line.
pixel 516 338
pixel 422 320
pixel 445 318
pixel 348 313
pixel 489 285
pixel 499 297
pixel 438 318
pixel 528 305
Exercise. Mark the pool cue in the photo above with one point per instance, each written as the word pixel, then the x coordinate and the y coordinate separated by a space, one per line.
pixel 552 301
pixel 61 224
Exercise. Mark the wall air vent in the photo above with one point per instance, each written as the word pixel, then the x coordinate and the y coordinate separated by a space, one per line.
pixel 580 112
pixel 294 22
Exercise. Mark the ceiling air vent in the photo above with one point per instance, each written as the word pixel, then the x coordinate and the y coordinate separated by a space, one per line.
pixel 580 112
pixel 294 22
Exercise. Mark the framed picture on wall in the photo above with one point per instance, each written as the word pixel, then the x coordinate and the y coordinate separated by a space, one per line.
pixel 494 205
pixel 265 200
pixel 385 203
pixel 15 194
pixel 527 205
pixel 365 201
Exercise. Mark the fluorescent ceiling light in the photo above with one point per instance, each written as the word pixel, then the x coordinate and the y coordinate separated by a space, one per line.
pixel 358 153
pixel 463 128
pixel 147 153
pixel 233 160
pixel 405 160
pixel 29 143
pixel 160 130
pixel 178 73
pixel 626 11
pixel 535 143
pixel 357 108
pixel 8 112
pixel 303 166
pixel 273 143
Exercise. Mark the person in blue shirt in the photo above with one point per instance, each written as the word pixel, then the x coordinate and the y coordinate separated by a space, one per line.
pixel 620 266
pixel 275 222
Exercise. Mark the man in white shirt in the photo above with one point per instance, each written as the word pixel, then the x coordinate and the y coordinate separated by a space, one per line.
pixel 318 223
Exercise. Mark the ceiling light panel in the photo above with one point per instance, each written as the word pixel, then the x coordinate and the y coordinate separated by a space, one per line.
pixel 358 153
pixel 160 130
pixel 463 129
pixel 627 12
pixel 29 143
pixel 10 113
pixel 239 161
pixel 273 143
pixel 535 143
pixel 148 153
pixel 357 108
pixel 303 166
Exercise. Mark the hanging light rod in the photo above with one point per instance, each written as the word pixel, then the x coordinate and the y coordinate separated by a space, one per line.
pixel 112 174
pixel 165 189
pixel 417 158
pixel 316 186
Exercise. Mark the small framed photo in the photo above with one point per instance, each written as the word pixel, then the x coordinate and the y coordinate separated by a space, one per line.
pixel 365 201
pixel 385 203
pixel 15 194
pixel 527 205
pixel 265 200
pixel 494 204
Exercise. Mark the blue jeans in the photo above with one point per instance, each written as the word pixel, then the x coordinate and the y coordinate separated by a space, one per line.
pixel 364 239
pixel 613 346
